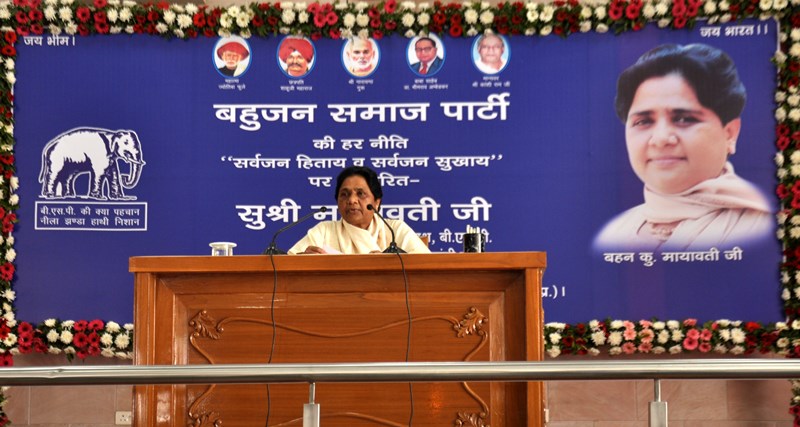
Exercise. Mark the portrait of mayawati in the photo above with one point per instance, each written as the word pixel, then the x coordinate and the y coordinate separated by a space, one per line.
pixel 681 106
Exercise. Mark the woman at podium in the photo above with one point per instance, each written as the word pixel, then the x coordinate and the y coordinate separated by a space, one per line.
pixel 360 229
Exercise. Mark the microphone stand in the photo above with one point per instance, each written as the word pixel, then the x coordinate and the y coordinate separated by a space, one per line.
pixel 393 248
pixel 311 408
pixel 273 248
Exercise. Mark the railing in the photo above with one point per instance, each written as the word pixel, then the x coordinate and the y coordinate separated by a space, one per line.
pixel 411 372
pixel 404 372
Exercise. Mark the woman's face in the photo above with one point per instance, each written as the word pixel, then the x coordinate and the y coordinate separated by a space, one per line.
pixel 673 141
pixel 354 196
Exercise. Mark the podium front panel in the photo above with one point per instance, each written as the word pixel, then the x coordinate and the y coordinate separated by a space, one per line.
pixel 339 309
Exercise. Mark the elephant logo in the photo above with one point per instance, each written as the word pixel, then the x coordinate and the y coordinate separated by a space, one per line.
pixel 96 152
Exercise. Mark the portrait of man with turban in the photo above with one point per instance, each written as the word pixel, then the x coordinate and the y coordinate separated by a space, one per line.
pixel 232 57
pixel 296 56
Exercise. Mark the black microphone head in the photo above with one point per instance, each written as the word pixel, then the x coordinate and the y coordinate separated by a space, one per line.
pixel 323 209
pixel 370 207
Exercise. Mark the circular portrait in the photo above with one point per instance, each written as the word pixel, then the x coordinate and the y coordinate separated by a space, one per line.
pixel 360 57
pixel 296 56
pixel 681 108
pixel 425 55
pixel 490 53
pixel 232 56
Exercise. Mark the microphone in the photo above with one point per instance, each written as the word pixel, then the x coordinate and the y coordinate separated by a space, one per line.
pixel 272 249
pixel 392 249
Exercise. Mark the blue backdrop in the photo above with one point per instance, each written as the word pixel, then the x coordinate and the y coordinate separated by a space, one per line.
pixel 541 163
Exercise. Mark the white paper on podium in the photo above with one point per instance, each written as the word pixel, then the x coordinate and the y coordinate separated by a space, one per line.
pixel 329 250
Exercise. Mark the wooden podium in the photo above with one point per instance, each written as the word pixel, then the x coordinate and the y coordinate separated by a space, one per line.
pixel 339 308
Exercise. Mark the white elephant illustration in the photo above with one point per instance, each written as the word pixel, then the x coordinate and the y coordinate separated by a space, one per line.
pixel 95 152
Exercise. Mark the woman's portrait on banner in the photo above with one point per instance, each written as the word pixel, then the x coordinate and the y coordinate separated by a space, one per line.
pixel 231 56
pixel 490 53
pixel 296 56
pixel 681 106
pixel 360 56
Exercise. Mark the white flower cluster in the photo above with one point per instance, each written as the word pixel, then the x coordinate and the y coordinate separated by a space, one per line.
pixel 555 330
pixel 659 337
pixel 237 19
pixel 114 340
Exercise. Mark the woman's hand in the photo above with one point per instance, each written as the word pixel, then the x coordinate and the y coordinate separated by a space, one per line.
pixel 314 250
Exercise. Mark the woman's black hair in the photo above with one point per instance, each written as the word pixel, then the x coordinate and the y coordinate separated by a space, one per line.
pixel 708 70
pixel 368 174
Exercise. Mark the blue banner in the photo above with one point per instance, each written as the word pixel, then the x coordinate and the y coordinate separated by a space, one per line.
pixel 135 145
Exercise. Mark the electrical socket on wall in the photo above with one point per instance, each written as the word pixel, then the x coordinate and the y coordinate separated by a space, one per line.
pixel 123 418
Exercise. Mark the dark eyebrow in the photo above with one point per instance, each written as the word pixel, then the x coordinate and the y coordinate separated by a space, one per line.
pixel 686 111
pixel 675 111
pixel 351 189
pixel 640 113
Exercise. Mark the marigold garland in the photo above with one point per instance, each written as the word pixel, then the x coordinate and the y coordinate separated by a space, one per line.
pixel 83 338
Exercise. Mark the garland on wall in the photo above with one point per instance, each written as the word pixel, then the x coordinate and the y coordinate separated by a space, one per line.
pixel 82 338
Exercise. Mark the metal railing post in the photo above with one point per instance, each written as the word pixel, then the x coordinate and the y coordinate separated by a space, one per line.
pixel 311 409
pixel 658 409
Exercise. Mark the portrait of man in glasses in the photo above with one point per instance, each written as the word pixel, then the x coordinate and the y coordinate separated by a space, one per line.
pixel 492 54
pixel 426 56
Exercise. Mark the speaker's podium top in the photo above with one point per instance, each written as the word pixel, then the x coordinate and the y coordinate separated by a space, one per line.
pixel 367 262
